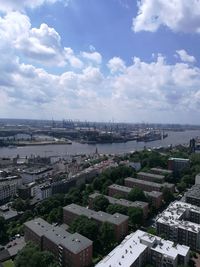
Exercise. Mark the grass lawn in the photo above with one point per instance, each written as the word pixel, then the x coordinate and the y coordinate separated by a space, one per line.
pixel 8 263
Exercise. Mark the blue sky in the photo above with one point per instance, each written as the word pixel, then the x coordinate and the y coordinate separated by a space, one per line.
pixel 99 60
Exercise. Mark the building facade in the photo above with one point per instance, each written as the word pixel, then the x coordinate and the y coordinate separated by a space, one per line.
pixel 69 249
pixel 180 222
pixel 119 221
pixel 144 206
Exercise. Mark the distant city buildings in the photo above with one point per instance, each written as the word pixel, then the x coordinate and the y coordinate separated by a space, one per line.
pixel 140 248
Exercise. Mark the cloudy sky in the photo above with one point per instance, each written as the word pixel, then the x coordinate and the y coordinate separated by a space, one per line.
pixel 102 60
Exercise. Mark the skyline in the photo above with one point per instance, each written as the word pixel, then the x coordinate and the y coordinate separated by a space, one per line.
pixel 98 60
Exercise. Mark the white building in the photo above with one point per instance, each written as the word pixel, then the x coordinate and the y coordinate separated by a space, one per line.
pixel 140 248
pixel 34 174
pixel 8 187
pixel 180 222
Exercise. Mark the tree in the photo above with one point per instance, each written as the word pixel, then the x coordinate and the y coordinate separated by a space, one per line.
pixel 85 227
pixel 181 186
pixel 151 231
pixel 3 228
pixel 113 208
pixel 167 195
pixel 100 203
pixel 106 236
pixel 136 194
pixel 31 256
pixel 135 216
pixel 19 205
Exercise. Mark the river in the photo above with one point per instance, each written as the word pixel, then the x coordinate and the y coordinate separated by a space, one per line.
pixel 174 138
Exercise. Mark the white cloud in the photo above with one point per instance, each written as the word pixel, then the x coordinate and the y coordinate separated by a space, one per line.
pixel 177 15
pixel 116 64
pixel 147 90
pixel 41 44
pixel 92 56
pixel 14 5
pixel 184 56
pixel 74 61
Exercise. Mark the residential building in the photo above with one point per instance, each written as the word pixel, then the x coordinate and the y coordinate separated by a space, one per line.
pixel 144 206
pixel 197 179
pixel 123 191
pixel 119 221
pixel 34 174
pixel 180 222
pixel 69 249
pixel 161 171
pixel 8 187
pixel 140 248
pixel 178 164
pixel 148 186
pixel 192 196
pixel 146 176
pixel 8 213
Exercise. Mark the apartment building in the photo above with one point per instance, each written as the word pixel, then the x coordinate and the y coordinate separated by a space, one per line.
pixel 151 177
pixel 69 249
pixel 119 221
pixel 148 186
pixel 144 206
pixel 192 196
pixel 140 248
pixel 155 196
pixel 180 222
pixel 178 164
pixel 34 174
pixel 8 187
pixel 161 171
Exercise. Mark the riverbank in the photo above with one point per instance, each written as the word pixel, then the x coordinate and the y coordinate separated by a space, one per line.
pixel 174 138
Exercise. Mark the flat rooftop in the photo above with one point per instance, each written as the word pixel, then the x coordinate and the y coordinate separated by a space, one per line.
pixel 194 192
pixel 122 202
pixel 152 175
pixel 148 183
pixel 101 216
pixel 176 215
pixel 135 244
pixel 164 171
pixel 120 187
pixel 72 242
pixel 179 159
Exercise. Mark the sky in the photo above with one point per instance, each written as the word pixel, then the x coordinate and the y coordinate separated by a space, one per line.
pixel 100 60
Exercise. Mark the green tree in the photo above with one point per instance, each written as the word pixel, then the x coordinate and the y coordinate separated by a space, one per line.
pixel 136 194
pixel 167 195
pixel 106 237
pixel 135 216
pixel 85 227
pixel 31 256
pixel 181 186
pixel 113 208
pixel 151 231
pixel 3 229
pixel 19 204
pixel 100 203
